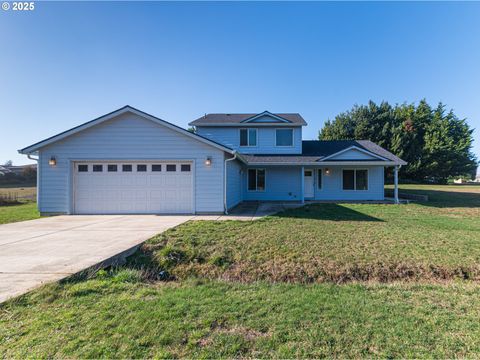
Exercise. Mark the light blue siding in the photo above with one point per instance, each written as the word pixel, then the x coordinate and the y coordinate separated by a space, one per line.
pixel 332 186
pixel 281 184
pixel 129 137
pixel 230 137
pixel 353 154
pixel 285 184
pixel 234 183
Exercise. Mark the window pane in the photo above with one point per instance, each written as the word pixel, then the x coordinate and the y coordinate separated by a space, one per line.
pixel 260 180
pixel 157 167
pixel 348 182
pixel 112 168
pixel 141 168
pixel 171 167
pixel 97 168
pixel 362 180
pixel 252 179
pixel 307 173
pixel 319 178
pixel 243 137
pixel 127 168
pixel 252 137
pixel 284 137
pixel 82 168
pixel 185 167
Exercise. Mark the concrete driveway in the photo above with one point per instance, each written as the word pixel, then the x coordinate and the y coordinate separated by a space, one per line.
pixel 38 251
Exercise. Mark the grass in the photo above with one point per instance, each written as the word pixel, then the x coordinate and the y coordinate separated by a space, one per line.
pixel 268 289
pixel 329 242
pixel 22 212
pixel 118 317
pixel 21 192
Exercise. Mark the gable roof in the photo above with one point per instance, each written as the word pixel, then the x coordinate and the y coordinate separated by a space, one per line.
pixel 318 152
pixel 284 119
pixel 329 148
pixel 33 148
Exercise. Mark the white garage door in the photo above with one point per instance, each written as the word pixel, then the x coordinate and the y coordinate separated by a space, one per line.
pixel 133 187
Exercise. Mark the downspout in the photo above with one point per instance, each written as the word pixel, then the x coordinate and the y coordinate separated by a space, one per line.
pixel 225 209
pixel 38 176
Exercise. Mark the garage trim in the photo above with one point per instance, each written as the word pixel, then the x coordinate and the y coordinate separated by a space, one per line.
pixel 74 161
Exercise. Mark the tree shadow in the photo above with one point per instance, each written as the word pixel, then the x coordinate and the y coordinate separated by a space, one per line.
pixel 328 211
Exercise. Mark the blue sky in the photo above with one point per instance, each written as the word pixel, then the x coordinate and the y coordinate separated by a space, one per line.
pixel 66 63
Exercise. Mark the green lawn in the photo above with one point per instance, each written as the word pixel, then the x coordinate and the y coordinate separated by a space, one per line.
pixel 22 212
pixel 329 242
pixel 270 288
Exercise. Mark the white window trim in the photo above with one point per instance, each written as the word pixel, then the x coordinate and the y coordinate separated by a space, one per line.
pixel 256 176
pixel 355 179
pixel 293 138
pixel 248 137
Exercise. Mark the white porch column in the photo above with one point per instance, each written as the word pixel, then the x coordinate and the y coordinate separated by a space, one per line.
pixel 395 191
pixel 303 184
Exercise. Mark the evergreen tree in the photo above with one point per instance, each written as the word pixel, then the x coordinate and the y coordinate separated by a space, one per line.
pixel 436 144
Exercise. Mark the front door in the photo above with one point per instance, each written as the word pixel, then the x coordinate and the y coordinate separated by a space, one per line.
pixel 308 183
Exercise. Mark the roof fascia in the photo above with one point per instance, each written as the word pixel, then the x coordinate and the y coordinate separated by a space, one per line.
pixel 353 147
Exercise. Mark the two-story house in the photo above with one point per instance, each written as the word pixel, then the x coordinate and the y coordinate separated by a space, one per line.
pixel 129 162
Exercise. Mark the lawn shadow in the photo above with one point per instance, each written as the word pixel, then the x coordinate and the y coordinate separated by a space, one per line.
pixel 328 211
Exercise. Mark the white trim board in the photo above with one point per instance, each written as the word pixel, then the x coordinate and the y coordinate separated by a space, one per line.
pixel 35 147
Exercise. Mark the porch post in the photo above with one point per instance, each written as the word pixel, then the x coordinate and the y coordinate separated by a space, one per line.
pixel 302 177
pixel 395 191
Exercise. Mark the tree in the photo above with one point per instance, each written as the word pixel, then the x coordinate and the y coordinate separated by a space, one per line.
pixel 8 163
pixel 435 143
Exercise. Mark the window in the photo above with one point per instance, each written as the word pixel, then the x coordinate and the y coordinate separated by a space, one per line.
pixel 256 179
pixel 355 179
pixel 97 168
pixel 127 168
pixel 248 137
pixel 112 168
pixel 361 180
pixel 157 167
pixel 284 137
pixel 185 167
pixel 82 168
pixel 319 179
pixel 141 168
pixel 171 167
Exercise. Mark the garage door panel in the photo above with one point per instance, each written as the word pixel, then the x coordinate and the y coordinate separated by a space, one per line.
pixel 133 192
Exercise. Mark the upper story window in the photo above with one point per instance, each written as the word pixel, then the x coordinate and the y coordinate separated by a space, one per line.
pixel 248 137
pixel 284 137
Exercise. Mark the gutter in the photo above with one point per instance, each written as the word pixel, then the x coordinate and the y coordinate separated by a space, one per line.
pixel 225 209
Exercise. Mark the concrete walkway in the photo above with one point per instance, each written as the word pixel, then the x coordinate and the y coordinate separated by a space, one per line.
pixel 49 249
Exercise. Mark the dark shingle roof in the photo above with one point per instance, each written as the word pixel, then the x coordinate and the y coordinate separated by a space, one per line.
pixel 330 147
pixel 231 119
pixel 316 150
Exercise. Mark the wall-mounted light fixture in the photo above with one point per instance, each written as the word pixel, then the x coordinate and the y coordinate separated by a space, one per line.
pixel 327 171
pixel 52 161
pixel 208 161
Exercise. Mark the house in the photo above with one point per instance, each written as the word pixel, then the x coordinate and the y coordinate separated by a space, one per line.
pixel 129 162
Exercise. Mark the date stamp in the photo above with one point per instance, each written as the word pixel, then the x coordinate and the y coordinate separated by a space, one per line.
pixel 18 5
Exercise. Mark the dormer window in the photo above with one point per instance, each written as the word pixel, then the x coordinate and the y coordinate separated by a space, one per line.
pixel 248 137
pixel 284 137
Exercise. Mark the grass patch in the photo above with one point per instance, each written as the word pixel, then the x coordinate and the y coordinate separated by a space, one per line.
pixel 280 300
pixel 22 212
pixel 106 318
pixel 329 242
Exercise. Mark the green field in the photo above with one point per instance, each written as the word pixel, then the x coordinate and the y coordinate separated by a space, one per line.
pixel 350 281
pixel 21 212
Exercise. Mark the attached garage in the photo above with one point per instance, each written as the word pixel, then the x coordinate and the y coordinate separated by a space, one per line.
pixel 125 187
pixel 130 162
